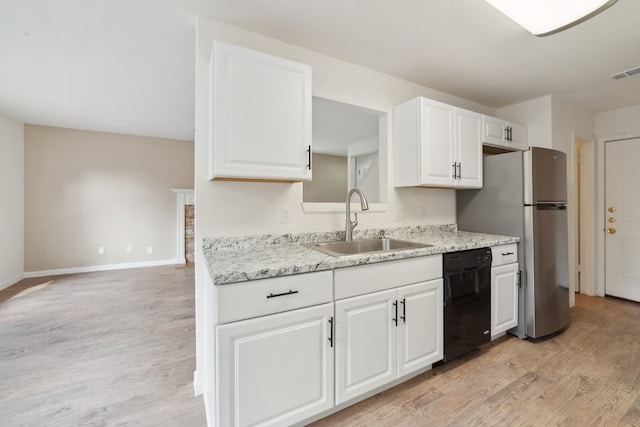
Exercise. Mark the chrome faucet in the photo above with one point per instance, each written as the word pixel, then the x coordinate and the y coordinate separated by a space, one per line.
pixel 350 225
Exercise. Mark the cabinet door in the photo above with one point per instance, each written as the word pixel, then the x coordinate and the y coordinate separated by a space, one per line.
pixel 518 137
pixel 468 148
pixel 493 131
pixel 275 370
pixel 437 143
pixel 420 331
pixel 504 295
pixel 365 343
pixel 261 116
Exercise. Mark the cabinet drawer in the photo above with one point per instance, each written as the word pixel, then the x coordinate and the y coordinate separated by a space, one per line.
pixel 505 254
pixel 267 296
pixel 364 279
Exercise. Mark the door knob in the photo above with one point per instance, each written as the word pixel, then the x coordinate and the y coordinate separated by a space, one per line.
pixel 611 230
pixel 611 219
pixel 612 209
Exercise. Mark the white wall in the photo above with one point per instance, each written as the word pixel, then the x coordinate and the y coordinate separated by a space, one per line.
pixel 536 114
pixel 241 208
pixel 12 206
pixel 568 121
pixel 619 122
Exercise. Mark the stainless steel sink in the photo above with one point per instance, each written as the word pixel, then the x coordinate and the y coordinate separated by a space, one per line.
pixel 364 246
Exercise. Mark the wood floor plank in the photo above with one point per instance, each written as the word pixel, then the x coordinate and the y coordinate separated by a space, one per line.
pixel 100 349
pixel 586 375
pixel 118 348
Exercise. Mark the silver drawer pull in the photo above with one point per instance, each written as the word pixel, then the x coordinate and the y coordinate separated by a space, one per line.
pixel 507 253
pixel 272 295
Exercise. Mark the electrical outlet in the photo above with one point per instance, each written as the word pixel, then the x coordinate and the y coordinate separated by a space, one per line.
pixel 149 250
pixel 400 215
pixel 101 250
pixel 422 213
pixel 284 215
pixel 129 249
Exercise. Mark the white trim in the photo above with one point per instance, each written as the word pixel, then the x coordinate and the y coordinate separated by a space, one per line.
pixel 586 212
pixel 11 281
pixel 185 197
pixel 92 268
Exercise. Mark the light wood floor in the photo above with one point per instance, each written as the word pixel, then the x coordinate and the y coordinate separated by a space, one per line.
pixel 587 376
pixel 118 348
pixel 98 349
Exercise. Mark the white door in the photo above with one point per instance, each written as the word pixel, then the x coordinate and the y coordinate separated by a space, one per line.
pixel 365 343
pixel 420 338
pixel 469 148
pixel 261 116
pixel 493 131
pixel 517 137
pixel 622 223
pixel 275 370
pixel 437 154
pixel 504 296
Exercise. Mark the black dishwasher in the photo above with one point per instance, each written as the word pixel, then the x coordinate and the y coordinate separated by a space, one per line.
pixel 467 301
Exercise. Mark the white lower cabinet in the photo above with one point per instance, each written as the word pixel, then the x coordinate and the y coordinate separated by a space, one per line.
pixel 420 326
pixel 385 335
pixel 275 370
pixel 504 289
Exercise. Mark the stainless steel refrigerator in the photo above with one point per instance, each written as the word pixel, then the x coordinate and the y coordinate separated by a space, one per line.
pixel 524 194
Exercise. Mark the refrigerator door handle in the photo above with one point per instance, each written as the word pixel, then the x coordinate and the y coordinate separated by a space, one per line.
pixel 520 279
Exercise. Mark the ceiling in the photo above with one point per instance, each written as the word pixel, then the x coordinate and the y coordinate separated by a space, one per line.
pixel 127 66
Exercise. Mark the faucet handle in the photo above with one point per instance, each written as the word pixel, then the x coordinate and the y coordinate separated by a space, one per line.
pixel 355 219
pixel 382 234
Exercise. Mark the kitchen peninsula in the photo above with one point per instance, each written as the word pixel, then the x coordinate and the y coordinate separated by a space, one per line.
pixel 295 334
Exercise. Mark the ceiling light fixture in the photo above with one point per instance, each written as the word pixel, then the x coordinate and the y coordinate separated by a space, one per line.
pixel 546 17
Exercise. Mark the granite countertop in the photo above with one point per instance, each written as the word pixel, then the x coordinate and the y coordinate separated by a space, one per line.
pixel 238 259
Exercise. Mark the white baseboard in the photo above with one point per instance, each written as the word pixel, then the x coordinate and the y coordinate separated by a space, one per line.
pixel 93 268
pixel 6 283
pixel 197 384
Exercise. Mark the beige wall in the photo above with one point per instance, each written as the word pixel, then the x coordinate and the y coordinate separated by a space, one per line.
pixel 329 182
pixel 12 201
pixel 88 189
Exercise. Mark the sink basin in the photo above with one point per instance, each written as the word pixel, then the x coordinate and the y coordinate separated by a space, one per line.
pixel 364 246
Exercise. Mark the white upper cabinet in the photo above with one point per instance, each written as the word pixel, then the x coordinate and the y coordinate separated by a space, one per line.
pixel 261 116
pixel 469 148
pixel 437 145
pixel 503 134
